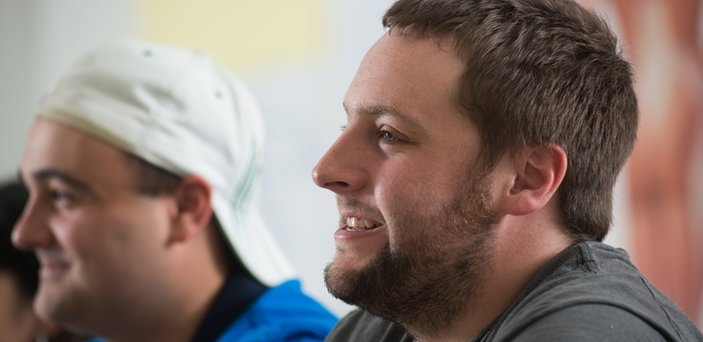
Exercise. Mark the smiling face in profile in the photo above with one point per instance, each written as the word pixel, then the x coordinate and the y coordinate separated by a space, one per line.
pixel 412 209
pixel 97 238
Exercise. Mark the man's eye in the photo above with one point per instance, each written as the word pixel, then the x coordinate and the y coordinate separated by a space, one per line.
pixel 388 137
pixel 59 196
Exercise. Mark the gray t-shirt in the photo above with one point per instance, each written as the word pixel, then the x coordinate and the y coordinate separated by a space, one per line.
pixel 589 292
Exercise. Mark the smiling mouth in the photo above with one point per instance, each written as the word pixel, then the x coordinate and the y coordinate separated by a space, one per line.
pixel 53 269
pixel 359 224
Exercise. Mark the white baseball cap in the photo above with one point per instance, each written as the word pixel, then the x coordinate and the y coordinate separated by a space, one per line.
pixel 180 111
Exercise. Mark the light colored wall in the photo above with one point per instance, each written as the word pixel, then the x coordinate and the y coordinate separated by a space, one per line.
pixel 39 39
pixel 15 94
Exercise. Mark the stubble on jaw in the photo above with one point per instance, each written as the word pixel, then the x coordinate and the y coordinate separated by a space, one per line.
pixel 432 272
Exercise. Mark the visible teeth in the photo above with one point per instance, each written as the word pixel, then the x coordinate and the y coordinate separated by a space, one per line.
pixel 356 223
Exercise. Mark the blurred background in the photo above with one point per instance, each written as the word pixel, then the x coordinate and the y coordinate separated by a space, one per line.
pixel 299 56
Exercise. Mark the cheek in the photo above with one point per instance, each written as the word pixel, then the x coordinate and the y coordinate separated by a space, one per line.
pixel 403 204
pixel 139 229
pixel 422 179
pixel 127 247
pixel 400 182
pixel 116 233
pixel 73 232
pixel 411 196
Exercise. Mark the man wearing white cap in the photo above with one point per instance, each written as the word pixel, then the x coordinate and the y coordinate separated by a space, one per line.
pixel 143 168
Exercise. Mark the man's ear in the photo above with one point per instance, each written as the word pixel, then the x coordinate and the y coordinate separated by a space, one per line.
pixel 193 208
pixel 539 170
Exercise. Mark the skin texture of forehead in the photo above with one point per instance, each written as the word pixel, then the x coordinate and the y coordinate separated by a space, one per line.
pixel 56 147
pixel 418 64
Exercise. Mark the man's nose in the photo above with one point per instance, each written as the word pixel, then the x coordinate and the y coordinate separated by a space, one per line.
pixel 342 168
pixel 32 230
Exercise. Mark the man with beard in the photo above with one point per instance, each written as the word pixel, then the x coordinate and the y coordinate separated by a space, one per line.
pixel 474 181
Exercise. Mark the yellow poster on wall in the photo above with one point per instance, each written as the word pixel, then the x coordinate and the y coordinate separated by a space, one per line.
pixel 241 34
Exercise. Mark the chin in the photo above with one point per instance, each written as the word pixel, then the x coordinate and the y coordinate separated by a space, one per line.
pixel 340 280
pixel 57 303
pixel 45 309
pixel 356 282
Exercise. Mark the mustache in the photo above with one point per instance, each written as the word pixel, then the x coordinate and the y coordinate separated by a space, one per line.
pixel 352 204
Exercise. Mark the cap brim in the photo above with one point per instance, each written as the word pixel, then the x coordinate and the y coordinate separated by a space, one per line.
pixel 252 243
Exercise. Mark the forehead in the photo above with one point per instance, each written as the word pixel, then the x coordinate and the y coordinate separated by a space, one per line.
pixel 54 146
pixel 399 68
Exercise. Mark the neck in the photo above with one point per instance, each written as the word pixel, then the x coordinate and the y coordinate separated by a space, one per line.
pixel 522 246
pixel 193 278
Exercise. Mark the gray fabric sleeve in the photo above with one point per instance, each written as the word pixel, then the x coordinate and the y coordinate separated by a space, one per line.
pixel 589 322
pixel 364 327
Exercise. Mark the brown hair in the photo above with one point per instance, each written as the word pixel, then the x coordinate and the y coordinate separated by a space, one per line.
pixel 540 72
pixel 153 180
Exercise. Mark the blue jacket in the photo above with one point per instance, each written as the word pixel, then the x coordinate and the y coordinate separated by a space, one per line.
pixel 279 314
pixel 282 313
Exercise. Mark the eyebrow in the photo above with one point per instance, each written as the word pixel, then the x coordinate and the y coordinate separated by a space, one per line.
pixel 378 110
pixel 375 110
pixel 47 174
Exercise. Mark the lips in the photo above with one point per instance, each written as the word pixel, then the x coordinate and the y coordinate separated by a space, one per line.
pixel 357 231
pixel 53 269
pixel 52 263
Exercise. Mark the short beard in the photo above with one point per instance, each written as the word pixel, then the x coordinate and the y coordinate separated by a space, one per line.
pixel 432 276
